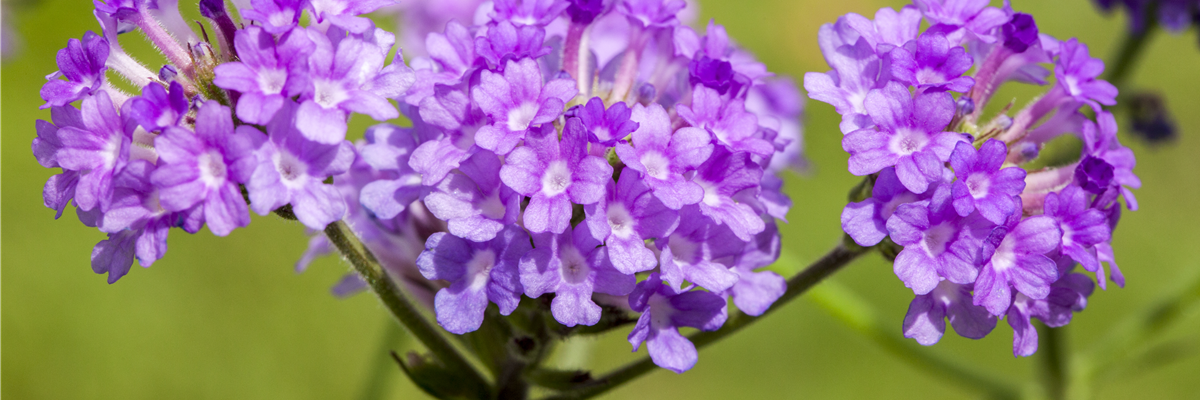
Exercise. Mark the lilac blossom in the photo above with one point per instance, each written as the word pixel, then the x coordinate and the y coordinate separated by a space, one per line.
pixel 474 202
pixel 982 185
pixel 203 168
pixel 348 76
pixel 572 265
pixel 728 121
pixel 662 155
pixel 857 69
pixel 528 12
pixel 931 63
pixel 505 42
pixel 909 134
pixel 1082 227
pixel 555 174
pixel 477 272
pixel 136 224
pixel 889 30
pixel 866 221
pixel 693 252
pixel 516 101
pixel 1067 296
pixel 60 188
pixel 938 243
pixel 625 218
pixel 346 13
pixel 389 149
pixel 1014 256
pixel 157 109
pixel 1104 151
pixel 274 16
pixel 756 291
pixel 605 127
pixel 292 170
pixel 714 64
pixel 96 144
pixel 664 310
pixel 1077 73
pixel 927 314
pixel 652 13
pixel 82 63
pixel 723 176
pixel 963 20
pixel 269 73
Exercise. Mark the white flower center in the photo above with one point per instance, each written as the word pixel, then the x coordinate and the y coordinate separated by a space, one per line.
pixel 907 141
pixel 660 311
pixel 328 94
pixel 1005 256
pixel 556 179
pixel 491 207
pixel 889 208
pixel 575 268
pixel 683 250
pixel 712 197
pixel 620 221
pixel 657 166
pixel 290 168
pixel 978 185
pixel 937 237
pixel 520 117
pixel 270 81
pixel 212 169
pixel 602 133
pixel 479 269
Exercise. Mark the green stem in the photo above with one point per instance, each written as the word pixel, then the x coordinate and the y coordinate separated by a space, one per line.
pixel 837 258
pixel 401 307
pixel 852 310
pixel 381 368
pixel 1131 48
pixel 1054 368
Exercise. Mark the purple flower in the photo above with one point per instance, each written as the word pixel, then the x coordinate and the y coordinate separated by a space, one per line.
pixel 156 109
pixel 203 168
pixel 1082 227
pixel 927 314
pixel 505 42
pixel 1077 73
pixel 1015 258
pixel 473 202
pixel 692 252
pixel 96 144
pixel 727 120
pixel 389 149
pixel 572 265
pixel 292 170
pixel 555 174
pixel 866 221
pixel 889 30
pixel 938 243
pixel 754 292
pixel 268 73
pixel 982 185
pixel 82 63
pixel 347 77
pixel 59 189
pixel 908 134
pixel 585 11
pixel 1103 152
pixel 605 127
pixel 516 101
pixel 275 16
pixel 664 310
pixel 136 224
pixel 856 71
pixel 628 216
pixel 724 175
pixel 346 13
pixel 1067 296
pixel 1020 33
pixel 652 13
pixel 662 155
pixel 963 20
pixel 528 12
pixel 715 63
pixel 477 272
pixel 931 62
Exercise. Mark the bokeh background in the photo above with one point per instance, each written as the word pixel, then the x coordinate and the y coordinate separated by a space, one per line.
pixel 229 317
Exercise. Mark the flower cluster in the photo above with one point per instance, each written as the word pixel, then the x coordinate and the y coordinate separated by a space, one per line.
pixel 984 234
pixel 565 149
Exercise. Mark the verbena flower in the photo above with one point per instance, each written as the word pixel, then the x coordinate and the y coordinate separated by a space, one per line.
pixel 556 148
pixel 981 235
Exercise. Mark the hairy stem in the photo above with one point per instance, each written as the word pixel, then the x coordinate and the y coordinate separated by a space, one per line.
pixel 401 307
pixel 837 258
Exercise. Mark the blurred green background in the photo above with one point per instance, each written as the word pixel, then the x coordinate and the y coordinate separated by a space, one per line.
pixel 229 318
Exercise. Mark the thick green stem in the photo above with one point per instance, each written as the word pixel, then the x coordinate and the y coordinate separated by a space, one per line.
pixel 839 257
pixel 394 299
pixel 1054 366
